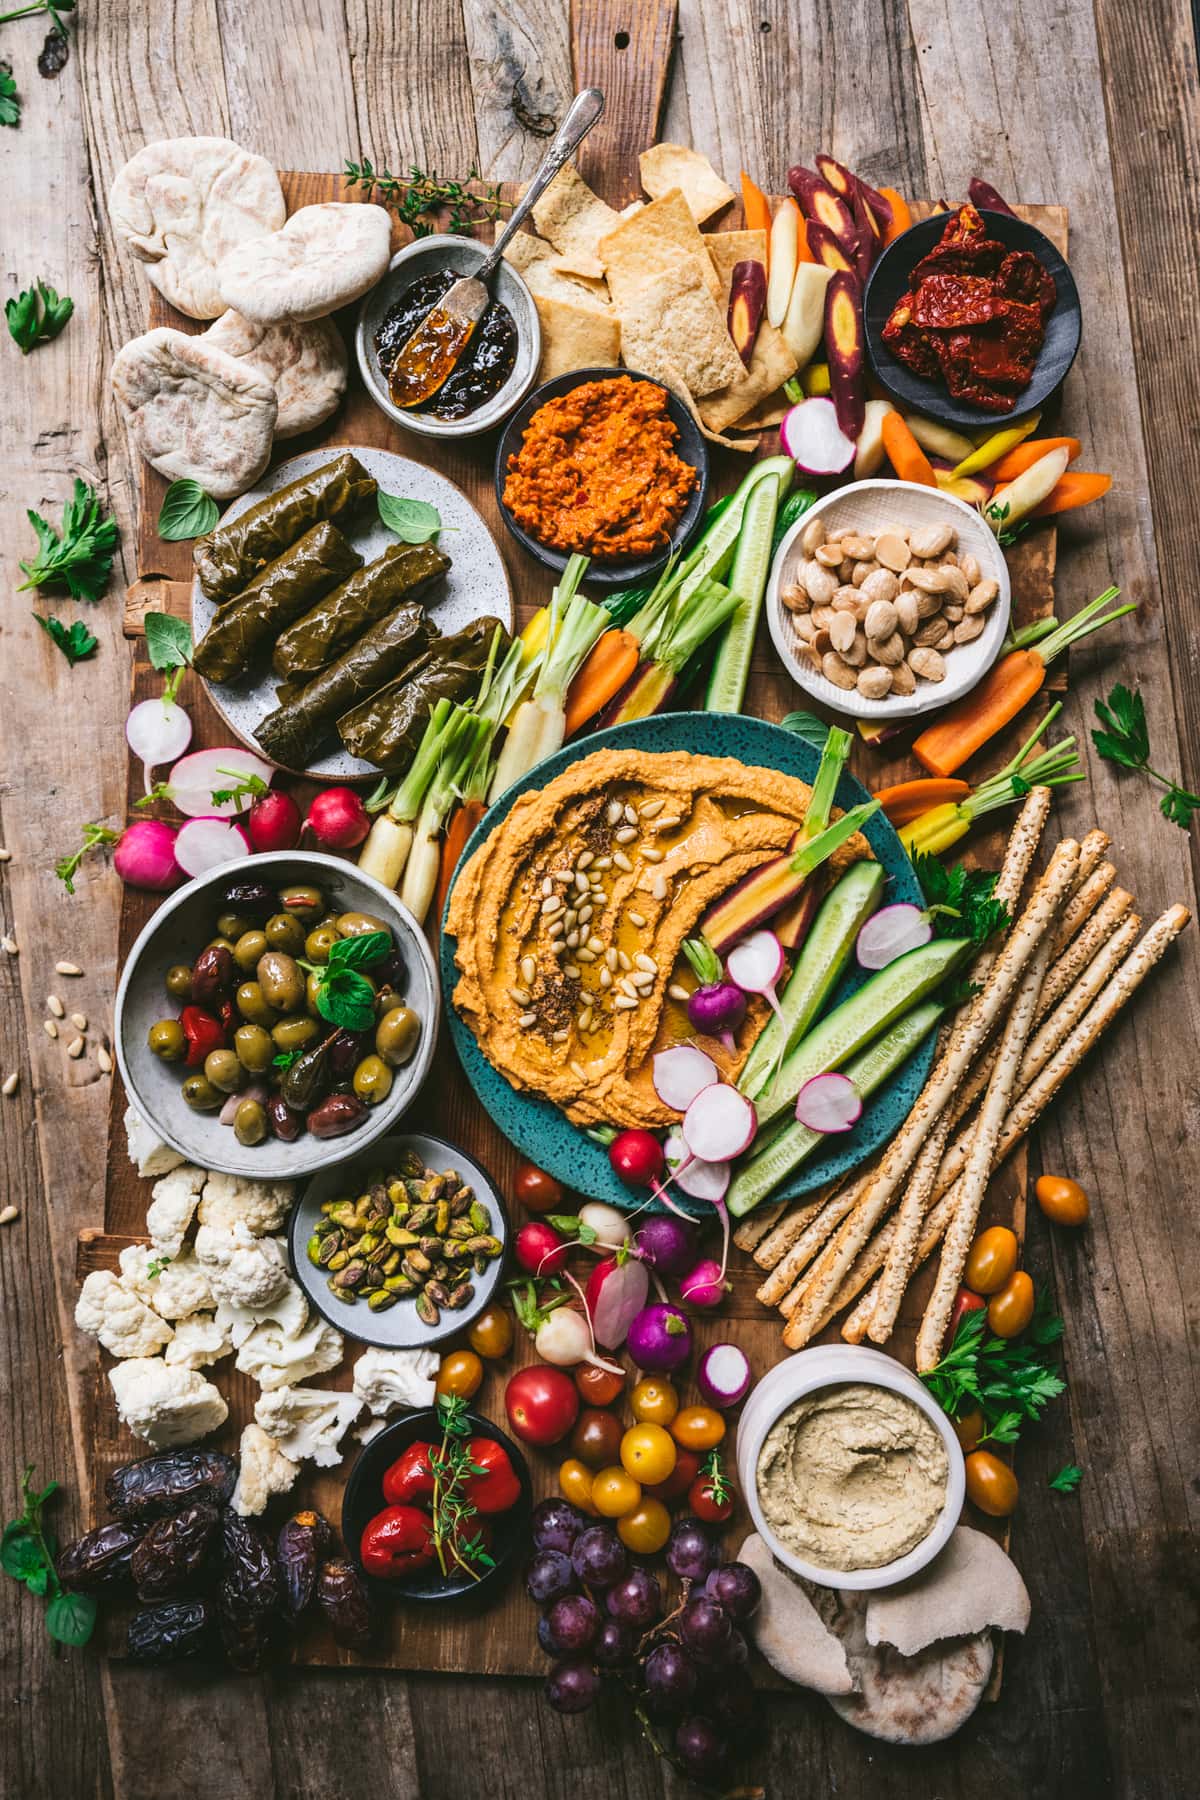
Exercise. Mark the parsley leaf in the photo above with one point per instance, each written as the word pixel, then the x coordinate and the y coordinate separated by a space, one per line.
pixel 94 836
pixel 1010 1380
pixel 82 555
pixel 1067 1480
pixel 37 315
pixel 186 511
pixel 75 641
pixel 344 997
pixel 1125 740
pixel 960 900
pixel 10 105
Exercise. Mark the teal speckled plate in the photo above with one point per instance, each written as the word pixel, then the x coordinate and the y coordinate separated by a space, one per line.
pixel 536 1127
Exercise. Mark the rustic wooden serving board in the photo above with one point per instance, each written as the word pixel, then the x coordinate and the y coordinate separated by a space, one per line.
pixel 464 1639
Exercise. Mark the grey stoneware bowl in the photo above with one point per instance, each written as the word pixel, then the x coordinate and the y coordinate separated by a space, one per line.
pixel 462 255
pixel 179 930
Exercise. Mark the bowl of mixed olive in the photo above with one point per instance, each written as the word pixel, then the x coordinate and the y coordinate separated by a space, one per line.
pixel 276 1015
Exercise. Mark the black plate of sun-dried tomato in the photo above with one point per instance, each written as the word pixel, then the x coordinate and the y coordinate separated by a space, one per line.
pixel 972 318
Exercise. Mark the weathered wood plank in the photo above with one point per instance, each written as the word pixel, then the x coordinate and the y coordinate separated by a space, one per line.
pixel 627 53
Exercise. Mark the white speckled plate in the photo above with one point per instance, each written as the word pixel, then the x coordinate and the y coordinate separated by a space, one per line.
pixel 475 586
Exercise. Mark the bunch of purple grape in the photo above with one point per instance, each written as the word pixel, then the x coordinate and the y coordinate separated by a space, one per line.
pixel 599 1614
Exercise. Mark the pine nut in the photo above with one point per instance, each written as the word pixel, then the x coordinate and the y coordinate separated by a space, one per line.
pixel 5 856
pixel 67 968
pixel 678 992
pixel 622 861
pixel 55 1005
pixel 526 1020
pixel 528 970
pixel 8 1215
pixel 75 1047
pixel 8 945
pixel 651 854
pixel 50 1028
pixel 11 1082
pixel 79 1021
pixel 104 1061
pixel 637 918
pixel 578 1071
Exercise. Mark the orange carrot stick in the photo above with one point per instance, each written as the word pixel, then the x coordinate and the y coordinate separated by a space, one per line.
pixel 901 217
pixel 905 454
pixel 462 822
pixel 609 664
pixel 1078 487
pixel 1026 454
pixel 907 800
pixel 757 209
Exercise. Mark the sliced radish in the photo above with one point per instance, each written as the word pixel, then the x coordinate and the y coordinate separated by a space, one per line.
pixel 157 731
pixel 719 1124
pixel 196 778
pixel 205 844
pixel 829 1103
pixel 891 932
pixel 756 963
pixel 723 1375
pixel 812 437
pixel 681 1073
pixel 702 1180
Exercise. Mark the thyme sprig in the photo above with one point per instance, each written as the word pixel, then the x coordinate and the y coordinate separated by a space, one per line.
pixel 428 202
pixel 452 1466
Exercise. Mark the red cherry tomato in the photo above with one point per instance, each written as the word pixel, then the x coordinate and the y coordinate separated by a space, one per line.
pixel 542 1404
pixel 964 1302
pixel 539 1249
pixel 537 1191
pixel 598 1386
pixel 677 1483
pixel 710 1497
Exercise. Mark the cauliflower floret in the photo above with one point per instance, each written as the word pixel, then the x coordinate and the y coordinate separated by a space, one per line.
pixel 264 1471
pixel 241 1267
pixel 277 1360
pixel 170 1211
pixel 261 1206
pixel 384 1379
pixel 198 1341
pixel 308 1422
pixel 173 1286
pixel 166 1407
pixel 124 1324
pixel 289 1310
pixel 147 1152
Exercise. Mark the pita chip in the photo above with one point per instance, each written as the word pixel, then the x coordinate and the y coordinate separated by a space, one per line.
pixel 667 166
pixel 652 241
pixel 675 310
pixel 540 266
pixel 574 219
pixel 576 335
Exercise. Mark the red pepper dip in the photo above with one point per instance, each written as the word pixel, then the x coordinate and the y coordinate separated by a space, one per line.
pixel 974 315
pixel 597 471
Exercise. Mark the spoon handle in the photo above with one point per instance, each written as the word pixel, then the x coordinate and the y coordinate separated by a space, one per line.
pixel 585 111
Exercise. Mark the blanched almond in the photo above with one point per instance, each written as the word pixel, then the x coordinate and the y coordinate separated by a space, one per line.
pixel 847 600
pixel 952 612
pixel 903 680
pixel 889 649
pixel 928 664
pixel 930 581
pixel 856 655
pixel 892 551
pixel 821 584
pixel 860 571
pixel 956 583
pixel 930 540
pixel 907 617
pixel 982 595
pixel 812 535
pixel 880 585
pixel 837 671
pixel 829 555
pixel 969 628
pixel 880 621
pixel 970 567
pixel 795 598
pixel 874 683
pixel 841 631
pixel 927 604
pixel 930 633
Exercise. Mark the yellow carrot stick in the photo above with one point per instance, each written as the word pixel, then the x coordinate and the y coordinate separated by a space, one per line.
pixel 997 445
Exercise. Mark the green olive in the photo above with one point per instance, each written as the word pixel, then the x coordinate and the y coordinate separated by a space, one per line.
pixel 312 988
pixel 308 903
pixel 200 1094
pixel 220 943
pixel 282 981
pixel 396 1035
pixel 330 919
pixel 233 925
pixel 285 932
pixel 179 982
pixel 252 1003
pixel 295 1034
pixel 250 1122
pixel 254 1048
pixel 320 942
pixel 357 924
pixel 386 999
pixel 166 1039
pixel 372 1080
pixel 249 947
pixel 224 1070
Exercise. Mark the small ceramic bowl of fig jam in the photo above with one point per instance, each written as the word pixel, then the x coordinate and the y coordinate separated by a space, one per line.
pixel 498 366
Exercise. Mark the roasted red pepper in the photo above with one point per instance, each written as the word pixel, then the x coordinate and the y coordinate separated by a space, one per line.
pixel 397 1541
pixel 203 1034
pixel 497 1488
pixel 410 1477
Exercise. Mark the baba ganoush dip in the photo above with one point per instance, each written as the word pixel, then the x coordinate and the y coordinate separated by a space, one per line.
pixel 852 1477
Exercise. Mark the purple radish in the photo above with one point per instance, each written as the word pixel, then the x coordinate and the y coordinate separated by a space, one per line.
pixel 680 1073
pixel 719 1124
pixel 204 844
pixel 891 932
pixel 829 1103
pixel 811 436
pixel 718 1006
pixel 665 1242
pixel 723 1375
pixel 705 1285
pixel 702 1180
pixel 660 1339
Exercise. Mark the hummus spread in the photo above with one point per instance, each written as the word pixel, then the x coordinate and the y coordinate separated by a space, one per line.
pixel 570 919
pixel 852 1477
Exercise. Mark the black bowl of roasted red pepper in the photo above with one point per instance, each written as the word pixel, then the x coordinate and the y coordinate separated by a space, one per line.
pixel 437 1506
pixel 974 324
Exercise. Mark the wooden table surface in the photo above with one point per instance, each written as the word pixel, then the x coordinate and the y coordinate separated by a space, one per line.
pixel 1089 104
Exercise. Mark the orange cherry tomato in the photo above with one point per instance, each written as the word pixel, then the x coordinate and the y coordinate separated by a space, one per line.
pixel 654 1401
pixel 492 1333
pixel 537 1191
pixel 991 1484
pixel 596 1439
pixel 575 1484
pixel 648 1453
pixel 992 1260
pixel 598 1386
pixel 646 1529
pixel 698 1428
pixel 615 1493
pixel 1061 1199
pixel 968 1429
pixel 460 1373
pixel 1010 1311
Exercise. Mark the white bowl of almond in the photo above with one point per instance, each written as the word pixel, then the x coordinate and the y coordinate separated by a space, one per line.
pixel 887 600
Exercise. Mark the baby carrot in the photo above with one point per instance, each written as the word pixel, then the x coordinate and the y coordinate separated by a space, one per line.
pixel 905 454
pixel 462 822
pixel 907 800
pixel 1078 487
pixel 756 207
pixel 1026 454
pixel 901 217
pixel 607 667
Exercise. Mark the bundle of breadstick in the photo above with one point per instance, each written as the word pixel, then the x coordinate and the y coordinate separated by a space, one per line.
pixel 1043 996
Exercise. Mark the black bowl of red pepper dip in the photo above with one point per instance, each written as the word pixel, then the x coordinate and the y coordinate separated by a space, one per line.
pixel 892 278
pixel 500 363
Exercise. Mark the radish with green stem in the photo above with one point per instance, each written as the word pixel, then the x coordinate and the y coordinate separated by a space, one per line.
pixel 717 1007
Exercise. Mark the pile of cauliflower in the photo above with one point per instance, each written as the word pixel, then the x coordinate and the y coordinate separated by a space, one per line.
pixel 215 1281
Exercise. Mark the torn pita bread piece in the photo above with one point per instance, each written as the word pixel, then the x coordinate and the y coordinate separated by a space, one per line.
pixel 305 362
pixel 576 335
pixel 539 265
pixel 972 1585
pixel 651 242
pixel 574 219
pixel 324 257
pixel 194 412
pixel 910 1700
pixel 771 364
pixel 183 204
pixel 667 166
pixel 676 312
pixel 788 1629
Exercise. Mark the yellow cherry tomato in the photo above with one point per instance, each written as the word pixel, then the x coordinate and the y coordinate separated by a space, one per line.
pixel 648 1454
pixel 492 1333
pixel 460 1373
pixel 614 1493
pixel 968 1429
pixel 654 1401
pixel 1062 1200
pixel 646 1529
pixel 991 1484
pixel 992 1260
pixel 575 1484
pixel 1010 1311
pixel 698 1428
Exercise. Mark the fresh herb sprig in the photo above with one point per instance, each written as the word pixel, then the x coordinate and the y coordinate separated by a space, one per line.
pixel 245 789
pixel 169 647
pixel 424 201
pixel 412 521
pixel 344 997
pixel 451 1510
pixel 75 640
pixel 1125 739
pixel 10 101
pixel 1067 1480
pixel 716 1482
pixel 95 837
pixel 186 511
pixel 27 1554
pixel 960 901
pixel 37 314
pixel 1010 1380
pixel 81 555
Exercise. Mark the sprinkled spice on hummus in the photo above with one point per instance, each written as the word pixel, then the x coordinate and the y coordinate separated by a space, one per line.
pixel 597 471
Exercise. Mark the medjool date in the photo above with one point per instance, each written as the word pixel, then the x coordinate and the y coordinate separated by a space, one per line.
pixel 302 1543
pixel 173 1553
pixel 249 1592
pixel 169 1632
pixel 157 1485
pixel 343 1599
pixel 98 1557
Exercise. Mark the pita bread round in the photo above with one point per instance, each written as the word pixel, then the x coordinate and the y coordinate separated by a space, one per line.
pixel 974 1583
pixel 908 1699
pixel 183 204
pixel 789 1631
pixel 324 257
pixel 304 361
pixel 194 412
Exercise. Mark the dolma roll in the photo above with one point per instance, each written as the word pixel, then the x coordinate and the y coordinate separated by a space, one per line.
pixel 283 591
pixel 232 555
pixel 313 642
pixel 386 728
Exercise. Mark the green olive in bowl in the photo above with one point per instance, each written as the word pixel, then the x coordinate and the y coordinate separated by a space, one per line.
pixel 320 942
pixel 250 1122
pixel 179 982
pixel 224 1070
pixel 295 1034
pixel 372 1080
pixel 233 925
pixel 281 980
pixel 396 1035
pixel 254 1048
pixel 200 1094
pixel 285 932
pixel 253 1005
pixel 167 1041
pixel 358 924
pixel 307 902
pixel 250 947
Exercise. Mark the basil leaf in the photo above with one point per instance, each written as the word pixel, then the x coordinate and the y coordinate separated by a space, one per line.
pixel 71 1618
pixel 347 1000
pixel 413 521
pixel 186 512
pixel 168 641
pixel 352 953
pixel 806 725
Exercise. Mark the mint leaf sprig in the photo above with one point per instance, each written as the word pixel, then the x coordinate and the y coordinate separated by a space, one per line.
pixel 27 1551
pixel 37 314
pixel 344 997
